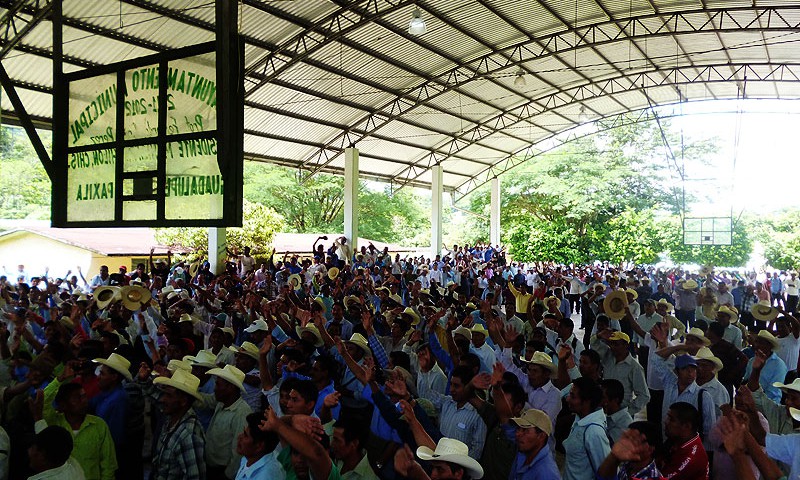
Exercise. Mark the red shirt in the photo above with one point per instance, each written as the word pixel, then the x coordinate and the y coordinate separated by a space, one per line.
pixel 686 462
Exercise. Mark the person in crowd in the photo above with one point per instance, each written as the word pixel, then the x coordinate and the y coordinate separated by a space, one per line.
pixel 587 444
pixel 683 456
pixel 50 458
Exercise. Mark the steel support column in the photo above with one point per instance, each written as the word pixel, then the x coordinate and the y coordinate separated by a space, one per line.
pixel 436 209
pixel 217 250
pixel 494 215
pixel 351 197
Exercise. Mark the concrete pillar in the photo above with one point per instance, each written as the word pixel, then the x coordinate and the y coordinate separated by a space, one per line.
pixel 351 197
pixel 217 249
pixel 436 210
pixel 494 216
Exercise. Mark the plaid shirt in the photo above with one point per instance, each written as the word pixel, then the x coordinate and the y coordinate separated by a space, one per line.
pixel 180 451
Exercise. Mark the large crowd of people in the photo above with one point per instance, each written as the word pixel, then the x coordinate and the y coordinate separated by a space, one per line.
pixel 360 365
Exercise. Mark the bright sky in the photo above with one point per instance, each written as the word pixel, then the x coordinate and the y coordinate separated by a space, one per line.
pixel 765 177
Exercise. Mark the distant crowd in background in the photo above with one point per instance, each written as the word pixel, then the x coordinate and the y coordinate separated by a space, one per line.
pixel 362 365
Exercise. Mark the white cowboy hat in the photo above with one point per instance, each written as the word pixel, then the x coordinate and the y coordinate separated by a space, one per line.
pixel 550 299
pixel 358 340
pixel 451 450
pixel 295 282
pixel 230 374
pixel 697 333
pixel 795 385
pixel 615 304
pixel 313 330
pixel 183 381
pixel 705 354
pixel 248 349
pixel 766 335
pixel 480 329
pixel 541 359
pixel 133 296
pixel 204 358
pixel 333 272
pixel 106 295
pixel 463 331
pixel 118 363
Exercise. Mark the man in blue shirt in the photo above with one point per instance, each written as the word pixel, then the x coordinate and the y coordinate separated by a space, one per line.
pixel 534 460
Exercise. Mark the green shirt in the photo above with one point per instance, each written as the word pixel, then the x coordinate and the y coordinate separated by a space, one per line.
pixel 285 459
pixel 93 446
pixel 778 418
pixel 221 436
pixel 363 470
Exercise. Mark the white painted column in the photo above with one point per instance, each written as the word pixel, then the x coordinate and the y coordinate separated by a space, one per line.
pixel 436 210
pixel 494 216
pixel 351 197
pixel 217 249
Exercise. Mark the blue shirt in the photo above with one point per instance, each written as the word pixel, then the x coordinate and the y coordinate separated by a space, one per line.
pixel 774 370
pixel 586 446
pixel 112 407
pixel 543 467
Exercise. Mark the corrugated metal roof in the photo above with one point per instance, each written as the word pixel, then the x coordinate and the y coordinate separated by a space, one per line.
pixel 458 76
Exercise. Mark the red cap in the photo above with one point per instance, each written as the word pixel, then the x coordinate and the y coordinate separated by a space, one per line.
pixel 123 267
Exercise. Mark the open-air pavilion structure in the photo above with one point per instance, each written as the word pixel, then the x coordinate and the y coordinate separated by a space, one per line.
pixel 351 87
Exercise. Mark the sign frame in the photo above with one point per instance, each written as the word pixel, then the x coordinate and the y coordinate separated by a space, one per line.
pixel 708 230
pixel 228 134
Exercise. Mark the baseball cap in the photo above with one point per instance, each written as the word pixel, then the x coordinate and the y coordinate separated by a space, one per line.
pixel 684 361
pixel 534 418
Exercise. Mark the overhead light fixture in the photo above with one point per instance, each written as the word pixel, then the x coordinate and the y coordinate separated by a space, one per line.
pixel 417 24
pixel 520 80
pixel 582 115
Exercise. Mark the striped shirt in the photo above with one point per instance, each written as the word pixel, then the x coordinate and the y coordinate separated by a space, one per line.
pixel 462 423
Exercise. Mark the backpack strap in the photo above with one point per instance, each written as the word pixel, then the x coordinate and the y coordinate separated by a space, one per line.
pixel 594 469
pixel 700 411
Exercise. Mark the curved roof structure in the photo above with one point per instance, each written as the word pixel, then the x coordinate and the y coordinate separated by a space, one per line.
pixel 486 86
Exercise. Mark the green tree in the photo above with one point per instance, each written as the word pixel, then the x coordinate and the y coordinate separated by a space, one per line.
pixel 780 237
pixel 25 187
pixel 258 229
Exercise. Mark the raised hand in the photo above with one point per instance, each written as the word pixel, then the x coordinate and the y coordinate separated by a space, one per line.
pixel 733 434
pixel 482 381
pixel 497 373
pixel 509 335
pixel 744 400
pixel 331 399
pixel 144 372
pixel 404 461
pixel 759 360
pixel 311 426
pixel 631 447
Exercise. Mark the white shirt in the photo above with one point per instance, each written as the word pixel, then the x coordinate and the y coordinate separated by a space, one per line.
pixel 789 350
pixel 792 286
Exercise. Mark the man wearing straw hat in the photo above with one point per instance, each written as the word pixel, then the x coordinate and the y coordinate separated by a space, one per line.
pixel 180 448
pixel 766 366
pixel 229 419
pixel 448 461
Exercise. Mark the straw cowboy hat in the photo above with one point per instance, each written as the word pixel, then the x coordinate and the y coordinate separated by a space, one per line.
pixel 730 312
pixel 193 268
pixel 705 270
pixel 333 272
pixel 479 329
pixel 105 296
pixel 463 331
pixel 698 334
pixel 766 336
pixel 295 282
pixel 117 363
pixel 396 299
pixel 663 301
pixel 409 312
pixel 615 304
pixel 764 311
pixel 358 340
pixel 794 386
pixel 230 374
pixel 541 359
pixel 248 349
pixel 632 292
pixel 452 451
pixel 181 380
pixel 133 296
pixel 705 354
pixel 312 329
pixel 689 284
pixel 550 299
pixel 204 358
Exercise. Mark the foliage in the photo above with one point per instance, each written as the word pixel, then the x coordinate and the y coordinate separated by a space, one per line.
pixel 25 187
pixel 316 205
pixel 258 229
pixel 780 237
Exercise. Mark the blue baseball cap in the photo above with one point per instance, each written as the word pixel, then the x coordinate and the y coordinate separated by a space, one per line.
pixel 684 361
